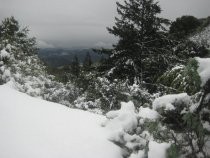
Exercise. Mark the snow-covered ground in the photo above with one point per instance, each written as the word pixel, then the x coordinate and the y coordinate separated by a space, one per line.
pixel 34 128
pixel 203 69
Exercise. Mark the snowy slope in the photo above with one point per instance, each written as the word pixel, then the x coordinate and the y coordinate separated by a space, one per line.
pixel 33 128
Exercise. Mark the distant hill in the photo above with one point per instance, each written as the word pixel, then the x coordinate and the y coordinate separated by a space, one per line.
pixel 56 57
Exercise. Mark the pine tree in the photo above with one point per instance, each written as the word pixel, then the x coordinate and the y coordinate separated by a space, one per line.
pixel 87 62
pixel 143 49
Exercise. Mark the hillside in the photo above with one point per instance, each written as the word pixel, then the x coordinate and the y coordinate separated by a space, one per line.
pixel 202 37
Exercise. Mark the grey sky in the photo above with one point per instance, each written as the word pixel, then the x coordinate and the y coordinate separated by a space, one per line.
pixel 82 23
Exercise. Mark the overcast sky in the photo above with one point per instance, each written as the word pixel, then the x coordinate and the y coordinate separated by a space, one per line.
pixel 82 23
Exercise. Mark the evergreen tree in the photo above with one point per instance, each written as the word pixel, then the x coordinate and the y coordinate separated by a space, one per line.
pixel 11 33
pixel 143 49
pixel 87 62
pixel 75 66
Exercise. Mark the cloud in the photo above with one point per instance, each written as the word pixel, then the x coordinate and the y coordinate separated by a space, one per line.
pixel 77 23
pixel 101 44
pixel 43 44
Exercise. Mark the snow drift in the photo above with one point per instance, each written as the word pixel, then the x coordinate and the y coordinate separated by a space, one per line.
pixel 35 128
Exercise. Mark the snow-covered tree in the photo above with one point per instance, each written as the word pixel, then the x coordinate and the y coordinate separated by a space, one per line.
pixel 11 33
pixel 143 50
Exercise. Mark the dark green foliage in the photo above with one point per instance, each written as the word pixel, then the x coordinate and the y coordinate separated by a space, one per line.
pixel 173 152
pixel 185 126
pixel 184 26
pixel 194 130
pixel 205 22
pixel 110 94
pixel 188 49
pixel 143 49
pixel 183 79
pixel 171 76
pixel 192 77
pixel 87 63
pixel 75 67
pixel 9 29
pixel 173 118
pixel 103 64
pixel 204 102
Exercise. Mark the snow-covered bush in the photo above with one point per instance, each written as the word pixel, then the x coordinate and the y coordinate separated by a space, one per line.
pixel 186 118
pixel 183 78
pixel 108 95
pixel 131 128
pixel 124 123
pixel 184 125
pixel 172 125
pixel 178 124
pixel 139 95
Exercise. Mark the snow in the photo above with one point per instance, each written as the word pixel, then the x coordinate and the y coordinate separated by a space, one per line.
pixel 167 101
pixel 35 128
pixel 4 54
pixel 148 113
pixel 6 74
pixel 177 67
pixel 203 69
pixel 157 150
pixel 207 147
pixel 206 126
pixel 140 154
pixel 124 119
pixel 121 122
